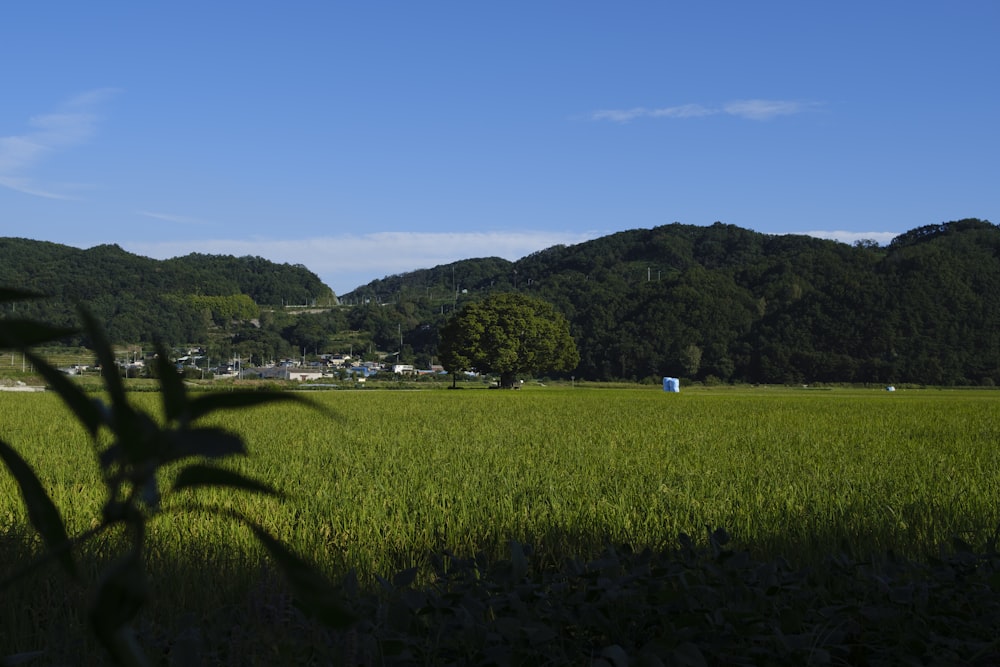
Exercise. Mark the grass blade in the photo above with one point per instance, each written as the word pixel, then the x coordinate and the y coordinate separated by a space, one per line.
pixel 313 592
pixel 212 443
pixel 236 400
pixel 124 421
pixel 198 474
pixel 85 409
pixel 42 512
pixel 175 404
pixel 106 357
pixel 120 595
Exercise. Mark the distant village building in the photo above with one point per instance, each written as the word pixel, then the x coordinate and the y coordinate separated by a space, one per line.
pixel 296 374
pixel 303 374
pixel 336 360
pixel 366 369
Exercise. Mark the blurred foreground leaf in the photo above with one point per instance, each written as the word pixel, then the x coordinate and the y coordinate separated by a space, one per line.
pixel 41 511
pixel 205 475
pixel 313 592
pixel 122 592
pixel 22 334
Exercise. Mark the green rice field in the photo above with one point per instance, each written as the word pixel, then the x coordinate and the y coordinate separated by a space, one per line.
pixel 396 476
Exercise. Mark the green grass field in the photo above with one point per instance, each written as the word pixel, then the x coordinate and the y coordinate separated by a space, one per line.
pixel 402 473
pixel 398 476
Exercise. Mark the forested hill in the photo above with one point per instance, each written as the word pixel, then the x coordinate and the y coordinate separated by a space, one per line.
pixel 142 299
pixel 704 303
pixel 721 302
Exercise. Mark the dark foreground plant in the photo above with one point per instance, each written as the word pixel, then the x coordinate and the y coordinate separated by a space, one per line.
pixel 133 450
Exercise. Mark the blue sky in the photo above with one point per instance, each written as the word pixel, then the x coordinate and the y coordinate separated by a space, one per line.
pixel 369 138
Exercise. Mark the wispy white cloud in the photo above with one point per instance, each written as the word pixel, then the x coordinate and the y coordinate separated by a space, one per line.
pixel 25 186
pixel 881 238
pixel 749 109
pixel 766 109
pixel 349 261
pixel 73 123
pixel 626 115
pixel 683 111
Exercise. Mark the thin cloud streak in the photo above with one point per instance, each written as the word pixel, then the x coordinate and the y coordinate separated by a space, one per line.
pixel 24 186
pixel 73 124
pixel 626 115
pixel 749 109
pixel 765 109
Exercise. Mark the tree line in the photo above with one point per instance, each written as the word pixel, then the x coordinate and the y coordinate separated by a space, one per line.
pixel 721 303
pixel 192 299
pixel 711 303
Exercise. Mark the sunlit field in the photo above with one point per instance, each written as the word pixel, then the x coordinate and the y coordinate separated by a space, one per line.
pixel 396 477
pixel 399 475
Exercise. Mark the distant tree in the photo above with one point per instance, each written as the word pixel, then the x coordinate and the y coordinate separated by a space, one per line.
pixel 690 359
pixel 508 334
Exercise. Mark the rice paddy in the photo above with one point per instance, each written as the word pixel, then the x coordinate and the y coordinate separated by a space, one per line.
pixel 398 476
pixel 402 474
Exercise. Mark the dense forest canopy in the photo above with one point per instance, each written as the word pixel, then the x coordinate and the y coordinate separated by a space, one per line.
pixel 139 299
pixel 715 303
pixel 729 304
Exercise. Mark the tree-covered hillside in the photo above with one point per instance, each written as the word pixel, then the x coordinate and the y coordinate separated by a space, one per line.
pixel 725 303
pixel 139 299
pixel 716 303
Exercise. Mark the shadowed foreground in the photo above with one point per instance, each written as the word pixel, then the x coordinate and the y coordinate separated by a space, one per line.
pixel 702 603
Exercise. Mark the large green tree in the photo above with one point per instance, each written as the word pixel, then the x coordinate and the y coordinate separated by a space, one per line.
pixel 508 334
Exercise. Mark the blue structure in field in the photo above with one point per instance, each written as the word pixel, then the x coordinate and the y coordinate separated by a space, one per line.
pixel 672 385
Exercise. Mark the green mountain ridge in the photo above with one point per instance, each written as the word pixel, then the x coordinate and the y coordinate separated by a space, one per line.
pixel 142 299
pixel 716 303
pixel 726 303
